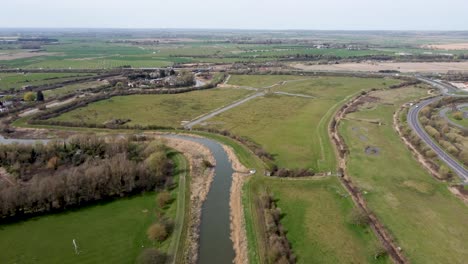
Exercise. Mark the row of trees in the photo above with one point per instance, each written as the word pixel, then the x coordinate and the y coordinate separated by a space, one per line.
pixel 278 246
pixel 86 169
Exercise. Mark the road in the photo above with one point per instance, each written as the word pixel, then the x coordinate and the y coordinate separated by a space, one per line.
pixel 414 123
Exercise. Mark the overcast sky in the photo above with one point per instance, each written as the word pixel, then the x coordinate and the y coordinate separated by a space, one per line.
pixel 238 14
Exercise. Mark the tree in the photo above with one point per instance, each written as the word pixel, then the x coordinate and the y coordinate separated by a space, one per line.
pixel 40 96
pixel 29 96
pixel 157 232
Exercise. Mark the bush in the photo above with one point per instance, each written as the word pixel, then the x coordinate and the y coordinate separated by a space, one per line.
pixel 458 115
pixel 207 164
pixel 151 256
pixel 359 217
pixel 164 198
pixel 379 251
pixel 29 96
pixel 444 172
pixel 157 232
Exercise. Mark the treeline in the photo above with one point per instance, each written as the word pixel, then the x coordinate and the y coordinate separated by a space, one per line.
pixel 85 169
pixel 405 84
pixel 254 147
pixel 278 247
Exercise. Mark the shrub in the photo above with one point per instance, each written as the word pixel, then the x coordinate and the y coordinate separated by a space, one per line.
pixel 164 198
pixel 359 217
pixel 151 256
pixel 458 115
pixel 444 172
pixel 29 96
pixel 379 251
pixel 207 164
pixel 157 232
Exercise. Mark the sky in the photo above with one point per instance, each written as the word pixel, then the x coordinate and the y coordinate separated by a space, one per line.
pixel 238 14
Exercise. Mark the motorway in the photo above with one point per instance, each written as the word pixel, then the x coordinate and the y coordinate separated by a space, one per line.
pixel 414 123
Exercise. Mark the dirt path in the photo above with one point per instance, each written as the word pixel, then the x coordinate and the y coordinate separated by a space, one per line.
pixel 238 232
pixel 378 228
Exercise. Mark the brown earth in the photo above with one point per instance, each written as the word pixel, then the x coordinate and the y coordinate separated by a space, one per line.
pixel 450 46
pixel 22 55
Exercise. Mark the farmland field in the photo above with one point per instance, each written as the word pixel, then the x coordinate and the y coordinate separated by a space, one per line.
pixel 162 110
pixel 294 129
pixel 428 222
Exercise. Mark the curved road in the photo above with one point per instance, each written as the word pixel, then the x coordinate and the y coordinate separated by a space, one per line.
pixel 414 123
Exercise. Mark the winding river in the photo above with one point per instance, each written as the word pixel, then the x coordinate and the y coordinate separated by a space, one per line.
pixel 215 243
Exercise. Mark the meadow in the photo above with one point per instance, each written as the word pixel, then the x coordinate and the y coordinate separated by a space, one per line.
pixel 316 216
pixel 167 110
pixel 427 221
pixel 71 88
pixel 294 129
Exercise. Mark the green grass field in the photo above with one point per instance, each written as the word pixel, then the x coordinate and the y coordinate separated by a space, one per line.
pixel 163 110
pixel 18 80
pixel 428 222
pixel 294 129
pixel 316 219
pixel 71 88
pixel 111 232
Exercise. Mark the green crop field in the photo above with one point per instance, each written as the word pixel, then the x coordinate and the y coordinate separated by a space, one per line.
pixel 428 222
pixel 316 217
pixel 294 129
pixel 162 110
pixel 109 232
pixel 18 80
